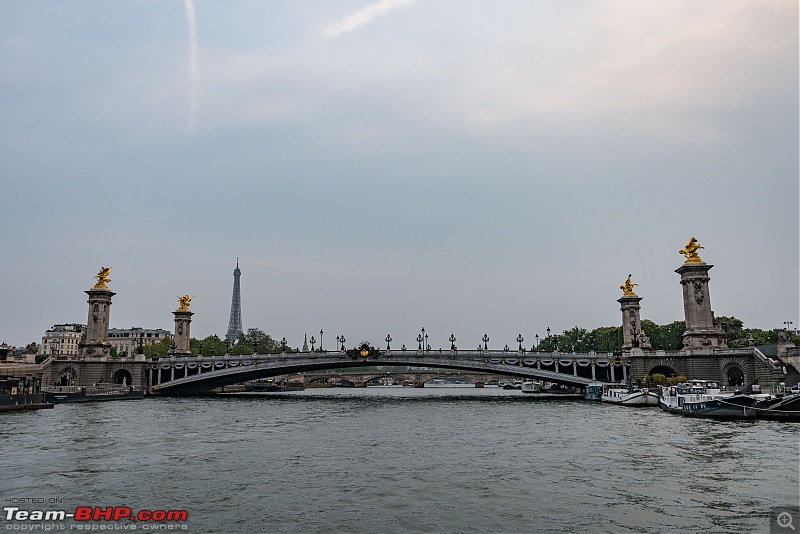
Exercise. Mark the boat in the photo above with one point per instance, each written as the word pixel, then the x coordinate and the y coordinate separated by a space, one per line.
pixel 672 398
pixel 707 400
pixel 559 389
pixel 625 396
pixel 272 386
pixel 515 384
pixel 20 385
pixel 531 386
pixel 98 392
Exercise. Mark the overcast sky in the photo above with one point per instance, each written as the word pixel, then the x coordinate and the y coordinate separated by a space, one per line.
pixel 465 166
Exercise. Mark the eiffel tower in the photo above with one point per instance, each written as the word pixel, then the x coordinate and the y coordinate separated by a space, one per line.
pixel 235 323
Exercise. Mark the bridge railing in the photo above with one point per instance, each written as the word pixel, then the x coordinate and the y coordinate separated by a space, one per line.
pixel 444 354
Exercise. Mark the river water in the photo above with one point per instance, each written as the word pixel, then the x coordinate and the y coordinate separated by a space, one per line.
pixel 401 460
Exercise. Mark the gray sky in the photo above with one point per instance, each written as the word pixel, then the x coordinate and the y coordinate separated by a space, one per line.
pixel 471 167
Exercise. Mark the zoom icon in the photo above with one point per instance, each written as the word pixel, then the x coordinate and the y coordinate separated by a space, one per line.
pixel 784 519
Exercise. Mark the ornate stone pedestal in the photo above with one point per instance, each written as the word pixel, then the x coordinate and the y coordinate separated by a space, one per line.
pixel 183 321
pixel 95 343
pixel 632 335
pixel 703 334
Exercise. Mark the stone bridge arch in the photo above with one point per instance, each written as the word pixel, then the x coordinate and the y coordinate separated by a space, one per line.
pixel 214 372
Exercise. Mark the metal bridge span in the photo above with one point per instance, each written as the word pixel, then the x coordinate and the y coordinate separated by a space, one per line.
pixel 200 375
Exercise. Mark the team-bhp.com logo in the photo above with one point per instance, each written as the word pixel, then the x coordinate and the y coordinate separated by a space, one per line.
pixel 94 513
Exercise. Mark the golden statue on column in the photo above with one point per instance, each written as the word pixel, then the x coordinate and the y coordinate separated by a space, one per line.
pixel 627 288
pixel 690 251
pixel 184 302
pixel 102 278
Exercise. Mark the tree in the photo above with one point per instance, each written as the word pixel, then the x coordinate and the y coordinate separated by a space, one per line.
pixel 733 328
pixel 258 341
pixel 574 339
pixel 213 346
pixel 606 338
pixel 159 349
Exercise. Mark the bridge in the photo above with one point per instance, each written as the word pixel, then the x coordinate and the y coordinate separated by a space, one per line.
pixel 200 375
pixel 417 377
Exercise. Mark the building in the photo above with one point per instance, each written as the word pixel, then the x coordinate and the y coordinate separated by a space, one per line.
pixel 125 341
pixel 62 340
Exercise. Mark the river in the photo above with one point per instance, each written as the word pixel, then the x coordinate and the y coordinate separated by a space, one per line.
pixel 401 460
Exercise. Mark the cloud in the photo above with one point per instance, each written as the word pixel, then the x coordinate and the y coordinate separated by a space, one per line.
pixel 363 16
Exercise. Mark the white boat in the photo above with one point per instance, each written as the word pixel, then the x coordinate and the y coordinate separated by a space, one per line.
pixel 629 397
pixel 531 386
pixel 673 398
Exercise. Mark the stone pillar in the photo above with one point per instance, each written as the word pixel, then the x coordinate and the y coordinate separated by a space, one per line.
pixel 183 320
pixel 631 323
pixel 95 340
pixel 703 333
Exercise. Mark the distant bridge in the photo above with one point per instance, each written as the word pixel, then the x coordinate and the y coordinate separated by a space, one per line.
pixel 201 374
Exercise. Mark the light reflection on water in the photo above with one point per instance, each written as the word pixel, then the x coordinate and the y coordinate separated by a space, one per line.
pixel 406 460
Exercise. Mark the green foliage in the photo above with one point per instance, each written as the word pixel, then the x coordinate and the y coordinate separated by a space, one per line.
pixel 733 328
pixel 159 349
pixel 606 339
pixel 258 341
pixel 241 349
pixel 213 346
pixel 676 380
pixel 656 379
pixel 113 352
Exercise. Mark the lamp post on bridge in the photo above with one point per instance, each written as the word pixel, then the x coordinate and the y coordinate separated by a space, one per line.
pixel 419 341
pixel 312 343
pixel 520 339
pixel 216 342
pixel 283 345
pixel 537 342
pixel 453 342
pixel 549 340
pixel 342 340
pixel 485 341
pixel 388 340
pixel 320 340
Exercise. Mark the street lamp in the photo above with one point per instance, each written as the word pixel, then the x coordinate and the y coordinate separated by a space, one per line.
pixel 312 343
pixel 320 339
pixel 419 341
pixel 201 347
pixel 283 345
pixel 337 341
pixel 549 341
pixel 388 340
pixel 453 342
pixel 520 339
pixel 427 346
pixel 485 341
pixel 537 342
pixel 341 338
pixel 216 342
